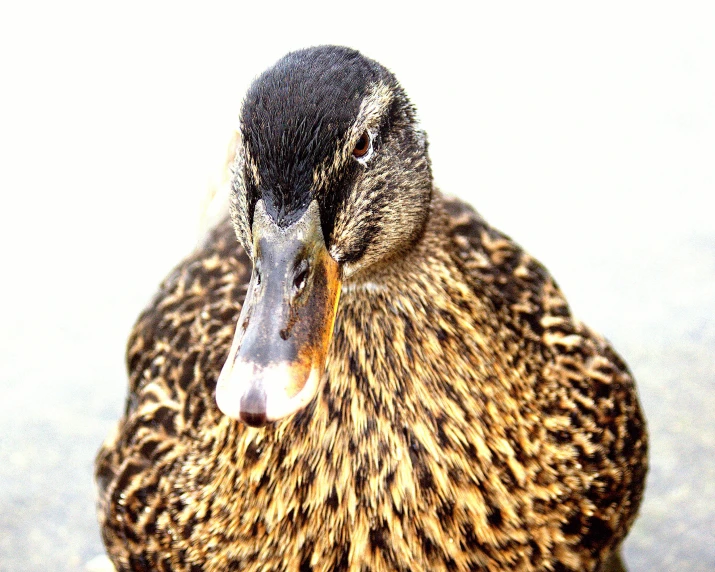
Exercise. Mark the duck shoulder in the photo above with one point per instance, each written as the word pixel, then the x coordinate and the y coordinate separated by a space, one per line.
pixel 174 354
pixel 587 393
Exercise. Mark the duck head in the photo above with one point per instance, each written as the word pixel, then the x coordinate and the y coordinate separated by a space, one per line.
pixel 331 181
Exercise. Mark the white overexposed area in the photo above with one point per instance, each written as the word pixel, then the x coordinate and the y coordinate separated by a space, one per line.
pixel 586 131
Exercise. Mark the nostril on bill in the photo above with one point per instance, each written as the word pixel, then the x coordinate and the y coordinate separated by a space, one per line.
pixel 254 419
pixel 253 407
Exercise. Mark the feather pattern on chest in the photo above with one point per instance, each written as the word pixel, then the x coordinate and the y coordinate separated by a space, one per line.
pixel 512 445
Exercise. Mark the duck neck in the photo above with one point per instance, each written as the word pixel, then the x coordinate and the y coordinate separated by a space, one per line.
pixel 398 327
pixel 428 253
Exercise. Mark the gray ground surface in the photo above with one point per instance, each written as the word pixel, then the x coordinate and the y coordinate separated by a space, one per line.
pixel 587 134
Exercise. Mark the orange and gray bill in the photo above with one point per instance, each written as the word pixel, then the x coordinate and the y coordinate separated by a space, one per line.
pixel 283 333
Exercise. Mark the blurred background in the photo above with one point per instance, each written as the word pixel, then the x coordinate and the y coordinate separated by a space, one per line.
pixel 586 132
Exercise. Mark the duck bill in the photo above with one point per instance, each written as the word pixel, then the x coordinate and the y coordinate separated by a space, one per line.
pixel 282 336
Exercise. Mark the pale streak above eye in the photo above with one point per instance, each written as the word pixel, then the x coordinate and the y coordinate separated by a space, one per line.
pixel 372 108
pixel 252 165
pixel 244 166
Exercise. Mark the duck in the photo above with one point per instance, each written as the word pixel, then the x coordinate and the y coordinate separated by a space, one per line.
pixel 354 371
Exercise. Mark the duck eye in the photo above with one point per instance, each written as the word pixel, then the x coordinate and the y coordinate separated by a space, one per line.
pixel 257 271
pixel 362 146
pixel 301 277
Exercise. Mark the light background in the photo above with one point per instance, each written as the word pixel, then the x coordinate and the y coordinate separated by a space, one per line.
pixel 585 131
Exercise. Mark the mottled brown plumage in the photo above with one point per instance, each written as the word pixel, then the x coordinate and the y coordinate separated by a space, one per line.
pixel 465 421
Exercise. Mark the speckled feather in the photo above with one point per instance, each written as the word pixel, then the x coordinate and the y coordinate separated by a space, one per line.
pixel 466 422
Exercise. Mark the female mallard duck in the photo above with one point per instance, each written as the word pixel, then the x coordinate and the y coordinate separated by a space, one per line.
pixel 404 389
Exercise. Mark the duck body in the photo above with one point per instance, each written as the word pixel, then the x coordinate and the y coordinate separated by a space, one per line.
pixel 463 421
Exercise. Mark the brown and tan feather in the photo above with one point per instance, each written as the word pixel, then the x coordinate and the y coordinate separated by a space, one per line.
pixel 466 422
